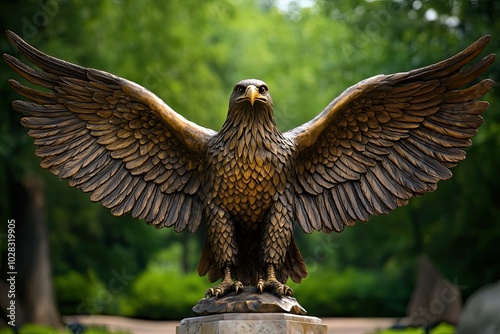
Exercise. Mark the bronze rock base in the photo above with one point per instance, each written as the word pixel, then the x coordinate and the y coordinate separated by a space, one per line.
pixel 248 301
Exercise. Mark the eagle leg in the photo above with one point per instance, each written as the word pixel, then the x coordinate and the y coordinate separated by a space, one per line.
pixel 227 285
pixel 273 285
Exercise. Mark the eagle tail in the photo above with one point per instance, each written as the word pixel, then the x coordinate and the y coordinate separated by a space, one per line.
pixel 294 266
pixel 207 264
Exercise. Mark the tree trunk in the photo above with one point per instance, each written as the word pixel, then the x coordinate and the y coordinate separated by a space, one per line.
pixel 418 239
pixel 34 272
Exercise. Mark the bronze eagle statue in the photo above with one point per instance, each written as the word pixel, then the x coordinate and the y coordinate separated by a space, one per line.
pixel 379 143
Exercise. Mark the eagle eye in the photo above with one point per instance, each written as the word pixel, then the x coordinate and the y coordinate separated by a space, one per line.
pixel 240 89
pixel 263 89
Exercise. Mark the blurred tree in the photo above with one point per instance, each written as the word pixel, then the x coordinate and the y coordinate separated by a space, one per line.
pixel 23 200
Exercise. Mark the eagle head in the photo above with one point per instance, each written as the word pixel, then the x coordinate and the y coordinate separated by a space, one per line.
pixel 251 92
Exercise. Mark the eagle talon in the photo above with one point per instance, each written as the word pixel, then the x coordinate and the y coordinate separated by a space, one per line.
pixel 238 286
pixel 273 285
pixel 223 288
pixel 209 293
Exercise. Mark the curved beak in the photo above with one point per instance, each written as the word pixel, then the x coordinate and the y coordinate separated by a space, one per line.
pixel 251 94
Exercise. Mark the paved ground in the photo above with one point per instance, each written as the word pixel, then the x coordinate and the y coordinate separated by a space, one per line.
pixel 335 325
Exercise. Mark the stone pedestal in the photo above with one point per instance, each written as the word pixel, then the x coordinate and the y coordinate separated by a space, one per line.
pixel 231 323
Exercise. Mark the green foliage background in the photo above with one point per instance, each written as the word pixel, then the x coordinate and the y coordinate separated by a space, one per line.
pixel 190 53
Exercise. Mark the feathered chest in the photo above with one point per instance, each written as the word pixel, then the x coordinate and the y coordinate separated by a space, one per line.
pixel 248 170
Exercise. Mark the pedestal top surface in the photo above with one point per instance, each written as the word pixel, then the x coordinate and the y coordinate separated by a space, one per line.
pixel 251 316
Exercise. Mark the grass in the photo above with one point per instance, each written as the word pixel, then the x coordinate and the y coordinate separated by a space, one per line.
pixel 37 329
pixel 440 329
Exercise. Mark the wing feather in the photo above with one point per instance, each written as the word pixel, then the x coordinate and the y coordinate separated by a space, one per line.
pixel 113 138
pixel 387 139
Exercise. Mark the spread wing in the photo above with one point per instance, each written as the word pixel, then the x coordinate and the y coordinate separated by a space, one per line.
pixel 113 138
pixel 386 139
